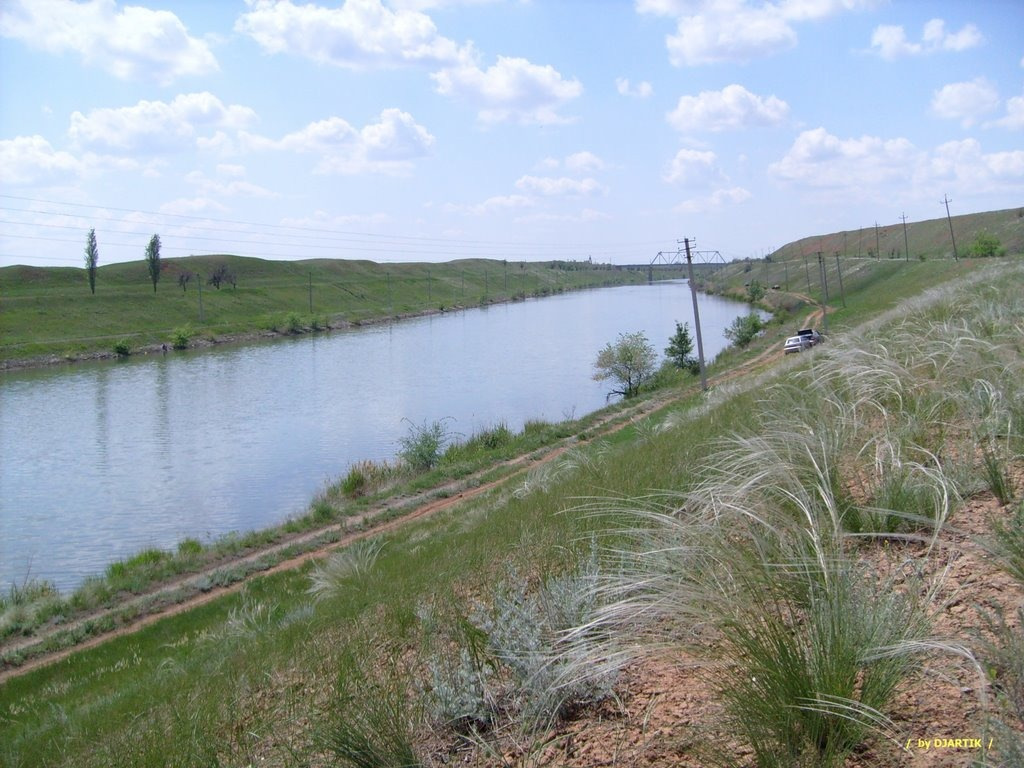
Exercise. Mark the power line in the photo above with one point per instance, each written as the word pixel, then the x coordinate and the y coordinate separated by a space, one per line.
pixel 334 233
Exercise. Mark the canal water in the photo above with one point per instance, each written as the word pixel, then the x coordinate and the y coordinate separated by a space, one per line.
pixel 101 460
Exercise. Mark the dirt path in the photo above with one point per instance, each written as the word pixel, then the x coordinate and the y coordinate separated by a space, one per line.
pixel 423 505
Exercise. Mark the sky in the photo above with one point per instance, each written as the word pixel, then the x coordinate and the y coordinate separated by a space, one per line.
pixel 430 130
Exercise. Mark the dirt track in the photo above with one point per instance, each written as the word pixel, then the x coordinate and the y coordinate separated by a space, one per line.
pixel 424 505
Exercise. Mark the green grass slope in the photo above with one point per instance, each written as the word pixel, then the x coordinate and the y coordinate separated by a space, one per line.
pixel 50 311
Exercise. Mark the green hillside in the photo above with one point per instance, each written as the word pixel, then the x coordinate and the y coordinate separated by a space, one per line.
pixel 50 312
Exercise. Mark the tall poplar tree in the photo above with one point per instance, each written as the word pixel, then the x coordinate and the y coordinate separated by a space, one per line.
pixel 153 259
pixel 92 258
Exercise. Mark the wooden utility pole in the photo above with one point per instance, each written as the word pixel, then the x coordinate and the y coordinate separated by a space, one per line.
pixel 311 293
pixel 199 282
pixel 824 294
pixel 839 269
pixel 906 243
pixel 878 252
pixel 696 317
pixel 947 201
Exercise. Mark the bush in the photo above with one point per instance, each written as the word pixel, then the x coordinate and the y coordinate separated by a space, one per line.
pixel 422 447
pixel 744 329
pixel 121 348
pixel 986 245
pixel 180 337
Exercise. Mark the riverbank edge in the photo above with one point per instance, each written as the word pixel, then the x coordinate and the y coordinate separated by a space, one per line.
pixel 335 322
pixel 53 641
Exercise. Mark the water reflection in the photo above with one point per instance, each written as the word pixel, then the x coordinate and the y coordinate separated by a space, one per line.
pixel 101 460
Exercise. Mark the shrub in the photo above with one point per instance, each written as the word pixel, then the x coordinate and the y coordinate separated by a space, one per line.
pixel 343 569
pixel 122 349
pixel 986 245
pixel 180 337
pixel 744 329
pixel 293 322
pixel 421 448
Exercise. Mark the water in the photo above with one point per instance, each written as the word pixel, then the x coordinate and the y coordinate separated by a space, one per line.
pixel 101 460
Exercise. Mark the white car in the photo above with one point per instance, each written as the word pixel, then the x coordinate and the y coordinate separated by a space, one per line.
pixel 797 344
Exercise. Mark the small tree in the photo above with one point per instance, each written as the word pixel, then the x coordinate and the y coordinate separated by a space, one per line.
pixel 744 329
pixel 153 259
pixel 986 245
pixel 629 362
pixel 92 258
pixel 755 291
pixel 680 349
pixel 183 279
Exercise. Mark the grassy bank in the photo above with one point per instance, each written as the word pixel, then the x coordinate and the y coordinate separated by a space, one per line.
pixel 745 526
pixel 50 311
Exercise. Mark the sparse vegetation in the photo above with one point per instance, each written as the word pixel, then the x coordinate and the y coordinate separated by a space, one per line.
pixel 792 559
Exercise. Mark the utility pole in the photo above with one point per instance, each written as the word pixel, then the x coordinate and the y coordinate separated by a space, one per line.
pixel 199 282
pixel 906 243
pixel 311 293
pixel 391 310
pixel 947 201
pixel 696 317
pixel 824 294
pixel 839 269
pixel 807 272
pixel 878 253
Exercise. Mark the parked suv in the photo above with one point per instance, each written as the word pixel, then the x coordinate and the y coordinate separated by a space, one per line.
pixel 811 335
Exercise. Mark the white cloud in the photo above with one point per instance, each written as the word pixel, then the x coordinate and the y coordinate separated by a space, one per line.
pixel 1014 119
pixel 713 31
pixel 321 219
pixel 134 43
pixel 235 186
pixel 819 159
pixel 748 33
pixel 387 146
pixel 360 34
pixel 549 186
pixel 586 216
pixel 31 159
pixel 641 90
pixel 717 199
pixel 965 164
pixel 156 127
pixel 513 90
pixel 584 162
pixel 890 41
pixel 732 108
pixel 965 102
pixel 694 168
pixel 492 205
pixel 191 206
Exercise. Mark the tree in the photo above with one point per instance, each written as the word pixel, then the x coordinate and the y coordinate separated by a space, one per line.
pixel 153 259
pixel 985 245
pixel 744 329
pixel 92 258
pixel 755 291
pixel 222 275
pixel 629 362
pixel 184 278
pixel 680 349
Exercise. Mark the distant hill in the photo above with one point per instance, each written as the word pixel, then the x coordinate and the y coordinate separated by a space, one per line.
pixel 930 239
